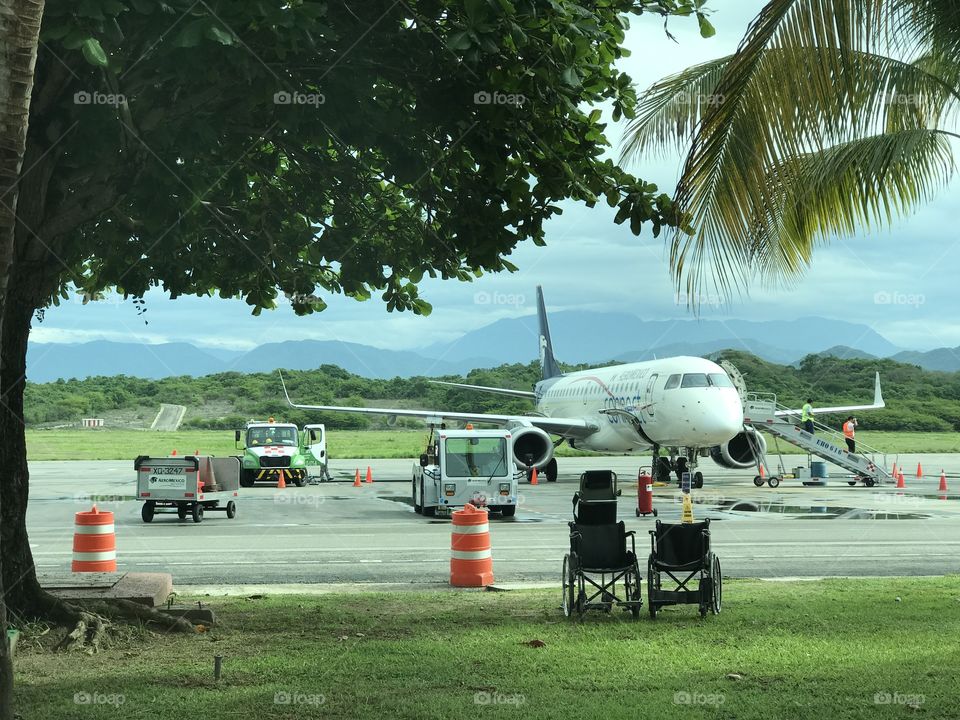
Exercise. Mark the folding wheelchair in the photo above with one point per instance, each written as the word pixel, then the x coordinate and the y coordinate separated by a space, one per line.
pixel 681 552
pixel 598 549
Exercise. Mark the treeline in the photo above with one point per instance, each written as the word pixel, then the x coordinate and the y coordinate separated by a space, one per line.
pixel 917 399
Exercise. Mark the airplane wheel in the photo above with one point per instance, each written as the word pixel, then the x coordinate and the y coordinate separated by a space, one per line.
pixel 550 470
pixel 698 480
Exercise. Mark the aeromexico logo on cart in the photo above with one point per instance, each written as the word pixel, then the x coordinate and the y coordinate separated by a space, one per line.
pixel 171 476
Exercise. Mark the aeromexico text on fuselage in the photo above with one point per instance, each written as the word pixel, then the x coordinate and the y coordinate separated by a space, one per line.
pixel 680 402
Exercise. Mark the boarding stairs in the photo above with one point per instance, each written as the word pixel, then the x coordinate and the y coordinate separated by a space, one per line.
pixel 867 464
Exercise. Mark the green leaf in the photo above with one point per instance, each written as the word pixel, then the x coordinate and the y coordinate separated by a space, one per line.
pixel 706 29
pixel 144 7
pixel 459 40
pixel 223 37
pixel 93 52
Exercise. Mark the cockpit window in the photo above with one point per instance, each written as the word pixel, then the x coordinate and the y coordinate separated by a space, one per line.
pixel 694 380
pixel 720 380
pixel 672 382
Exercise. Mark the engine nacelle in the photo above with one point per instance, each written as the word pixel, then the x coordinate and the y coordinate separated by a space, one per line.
pixel 741 451
pixel 532 447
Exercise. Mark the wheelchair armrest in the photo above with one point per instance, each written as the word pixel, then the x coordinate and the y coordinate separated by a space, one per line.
pixel 632 534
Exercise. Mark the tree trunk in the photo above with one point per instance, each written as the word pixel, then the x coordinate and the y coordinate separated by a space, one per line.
pixel 19 40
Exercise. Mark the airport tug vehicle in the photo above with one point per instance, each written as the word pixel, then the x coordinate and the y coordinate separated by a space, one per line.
pixel 466 466
pixel 272 450
pixel 187 485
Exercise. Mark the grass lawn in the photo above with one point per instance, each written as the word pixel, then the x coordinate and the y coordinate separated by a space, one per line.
pixel 834 649
pixel 127 444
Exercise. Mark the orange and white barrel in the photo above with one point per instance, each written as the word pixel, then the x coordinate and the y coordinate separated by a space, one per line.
pixel 471 560
pixel 94 542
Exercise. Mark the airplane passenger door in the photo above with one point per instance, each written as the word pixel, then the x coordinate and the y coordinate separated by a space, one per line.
pixel 649 401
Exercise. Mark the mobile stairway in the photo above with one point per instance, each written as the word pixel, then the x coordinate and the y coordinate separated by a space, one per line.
pixel 761 412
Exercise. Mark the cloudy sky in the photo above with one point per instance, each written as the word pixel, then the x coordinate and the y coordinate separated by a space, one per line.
pixel 590 263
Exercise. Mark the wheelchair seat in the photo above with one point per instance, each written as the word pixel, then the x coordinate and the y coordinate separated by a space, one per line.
pixel 595 503
pixel 601 548
pixel 681 552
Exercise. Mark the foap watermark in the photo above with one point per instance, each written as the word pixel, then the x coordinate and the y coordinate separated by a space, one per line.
pixel 499 298
pixel 98 698
pixel 85 97
pixel 485 97
pixel 896 698
pixel 698 300
pixel 286 697
pixel 888 500
pixel 894 297
pixel 684 697
pixel 299 98
pixel 294 499
pixel 904 99
pixel 709 99
pixel 485 697
pixel 100 500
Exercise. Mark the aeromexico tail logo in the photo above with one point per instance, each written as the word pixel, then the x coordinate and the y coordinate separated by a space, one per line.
pixel 543 351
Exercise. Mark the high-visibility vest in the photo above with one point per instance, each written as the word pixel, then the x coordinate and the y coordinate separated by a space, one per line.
pixel 807 412
pixel 848 429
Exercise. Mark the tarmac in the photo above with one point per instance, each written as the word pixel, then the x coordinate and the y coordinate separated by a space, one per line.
pixel 333 535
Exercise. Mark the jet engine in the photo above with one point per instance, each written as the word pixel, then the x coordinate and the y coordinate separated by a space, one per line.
pixel 741 451
pixel 532 447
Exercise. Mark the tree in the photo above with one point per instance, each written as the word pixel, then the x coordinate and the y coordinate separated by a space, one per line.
pixel 832 115
pixel 276 147
pixel 19 40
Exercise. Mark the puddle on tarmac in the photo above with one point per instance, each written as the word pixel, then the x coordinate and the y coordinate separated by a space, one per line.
pixel 819 512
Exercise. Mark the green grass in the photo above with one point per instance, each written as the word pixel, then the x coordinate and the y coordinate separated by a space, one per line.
pixel 127 444
pixel 803 650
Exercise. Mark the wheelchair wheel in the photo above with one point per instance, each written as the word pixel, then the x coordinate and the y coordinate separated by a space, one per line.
pixel 631 584
pixel 568 582
pixel 653 585
pixel 716 586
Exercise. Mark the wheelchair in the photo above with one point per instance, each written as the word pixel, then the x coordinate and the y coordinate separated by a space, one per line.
pixel 681 552
pixel 599 559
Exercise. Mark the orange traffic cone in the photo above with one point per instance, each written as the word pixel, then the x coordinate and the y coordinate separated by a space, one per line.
pixel 893 474
pixel 356 479
pixel 919 471
pixel 281 483
pixel 533 478
pixel 900 482
pixel 943 481
pixel 174 453
pixel 369 475
pixel 196 452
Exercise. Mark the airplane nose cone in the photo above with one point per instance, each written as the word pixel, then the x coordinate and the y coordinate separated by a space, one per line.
pixel 722 421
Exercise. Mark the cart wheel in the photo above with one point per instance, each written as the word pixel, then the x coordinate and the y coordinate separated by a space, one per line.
pixel 147 511
pixel 231 509
pixel 758 481
pixel 851 483
pixel 716 583
pixel 773 481
pixel 197 512
pixel 869 482
pixel 182 511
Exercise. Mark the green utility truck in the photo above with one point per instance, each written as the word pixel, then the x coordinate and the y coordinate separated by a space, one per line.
pixel 272 450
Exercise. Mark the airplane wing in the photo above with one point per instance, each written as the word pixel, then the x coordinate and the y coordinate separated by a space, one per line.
pixel 566 427
pixel 484 388
pixel 877 404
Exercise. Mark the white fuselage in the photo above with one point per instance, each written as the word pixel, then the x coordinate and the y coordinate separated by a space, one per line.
pixel 680 402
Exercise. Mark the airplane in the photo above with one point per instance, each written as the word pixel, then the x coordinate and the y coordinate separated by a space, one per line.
pixel 688 406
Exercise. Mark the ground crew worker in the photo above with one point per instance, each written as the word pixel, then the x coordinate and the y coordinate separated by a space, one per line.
pixel 849 433
pixel 807 416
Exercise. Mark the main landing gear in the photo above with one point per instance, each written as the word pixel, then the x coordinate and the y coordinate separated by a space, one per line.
pixel 664 467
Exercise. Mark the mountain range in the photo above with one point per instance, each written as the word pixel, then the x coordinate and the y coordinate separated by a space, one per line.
pixel 578 337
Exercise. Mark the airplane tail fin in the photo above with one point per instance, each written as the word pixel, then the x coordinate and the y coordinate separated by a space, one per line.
pixel 548 364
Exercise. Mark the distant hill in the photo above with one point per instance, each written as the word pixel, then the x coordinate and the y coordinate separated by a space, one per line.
pixel 579 337
pixel 590 337
pixel 844 352
pixel 943 359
